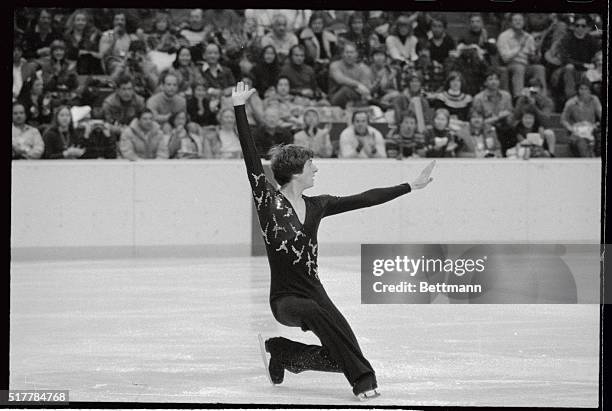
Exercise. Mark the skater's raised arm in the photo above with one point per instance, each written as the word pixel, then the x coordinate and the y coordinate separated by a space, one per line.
pixel 336 205
pixel 255 172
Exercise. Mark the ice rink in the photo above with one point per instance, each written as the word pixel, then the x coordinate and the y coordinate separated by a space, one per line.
pixel 185 330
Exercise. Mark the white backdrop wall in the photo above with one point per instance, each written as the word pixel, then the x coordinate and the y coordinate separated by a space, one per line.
pixel 111 208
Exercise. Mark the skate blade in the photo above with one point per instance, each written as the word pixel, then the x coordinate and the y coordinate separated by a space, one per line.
pixel 368 395
pixel 262 349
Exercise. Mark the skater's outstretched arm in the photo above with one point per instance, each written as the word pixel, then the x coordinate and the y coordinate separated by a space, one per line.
pixel 336 205
pixel 255 172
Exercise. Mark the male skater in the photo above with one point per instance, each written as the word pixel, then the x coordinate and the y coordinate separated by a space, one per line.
pixel 289 222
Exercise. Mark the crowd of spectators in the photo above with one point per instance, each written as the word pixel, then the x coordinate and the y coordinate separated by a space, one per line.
pixel 156 83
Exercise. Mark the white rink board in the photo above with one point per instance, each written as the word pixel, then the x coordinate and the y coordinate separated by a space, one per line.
pixel 95 203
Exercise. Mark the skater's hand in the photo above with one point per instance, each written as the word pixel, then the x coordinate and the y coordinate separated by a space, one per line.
pixel 241 93
pixel 424 178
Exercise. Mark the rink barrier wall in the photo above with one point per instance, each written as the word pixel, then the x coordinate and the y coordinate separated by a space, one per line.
pixel 113 208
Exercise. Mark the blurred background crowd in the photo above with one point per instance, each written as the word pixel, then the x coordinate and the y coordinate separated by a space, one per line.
pixel 156 83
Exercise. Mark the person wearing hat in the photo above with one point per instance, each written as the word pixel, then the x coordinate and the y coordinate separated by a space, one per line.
pixel 58 74
pixel 313 136
pixel 401 42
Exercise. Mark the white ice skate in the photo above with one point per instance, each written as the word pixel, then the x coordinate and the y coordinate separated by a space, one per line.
pixel 264 357
pixel 368 395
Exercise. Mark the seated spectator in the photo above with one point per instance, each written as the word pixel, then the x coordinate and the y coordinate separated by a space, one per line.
pixel 122 106
pixel 440 43
pixel 22 70
pixel 406 137
pixel 270 133
pixel 246 40
pixel 220 19
pixel 266 71
pixel 495 105
pixel 320 46
pixel 195 33
pixel 61 139
pixel 313 136
pixel 163 38
pixel 402 43
pixel 358 34
pixel 576 52
pixel 433 74
pixel 529 124
pixel 453 98
pixel 162 42
pixel 190 73
pixel 477 35
pixel 225 136
pixel 264 18
pixel 95 136
pixel 580 117
pixel 283 101
pixel 360 140
pixel 595 73
pixel 470 62
pixel 38 38
pixel 350 81
pixel 302 79
pixel 384 85
pixel 479 139
pixel 517 49
pixel 200 108
pixel 59 75
pixel 185 141
pixel 26 140
pixel 534 98
pixel 36 102
pixel 140 68
pixel 440 141
pixel 413 99
pixel 115 44
pixel 320 43
pixel 143 139
pixel 82 39
pixel 215 75
pixel 280 37
pixel 167 102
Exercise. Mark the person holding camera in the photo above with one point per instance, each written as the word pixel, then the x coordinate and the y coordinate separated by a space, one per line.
pixel 115 44
pixel 139 66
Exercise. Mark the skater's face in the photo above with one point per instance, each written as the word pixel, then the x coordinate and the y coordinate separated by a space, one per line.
pixel 306 178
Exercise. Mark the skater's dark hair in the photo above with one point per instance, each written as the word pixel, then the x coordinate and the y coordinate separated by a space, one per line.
pixel 287 160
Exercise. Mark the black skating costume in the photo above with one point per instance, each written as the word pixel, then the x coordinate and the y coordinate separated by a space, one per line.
pixel 297 297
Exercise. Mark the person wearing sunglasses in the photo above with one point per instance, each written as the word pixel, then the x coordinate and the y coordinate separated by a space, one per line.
pixel 577 50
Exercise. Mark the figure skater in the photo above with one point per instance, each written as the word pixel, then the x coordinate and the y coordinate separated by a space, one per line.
pixel 289 222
